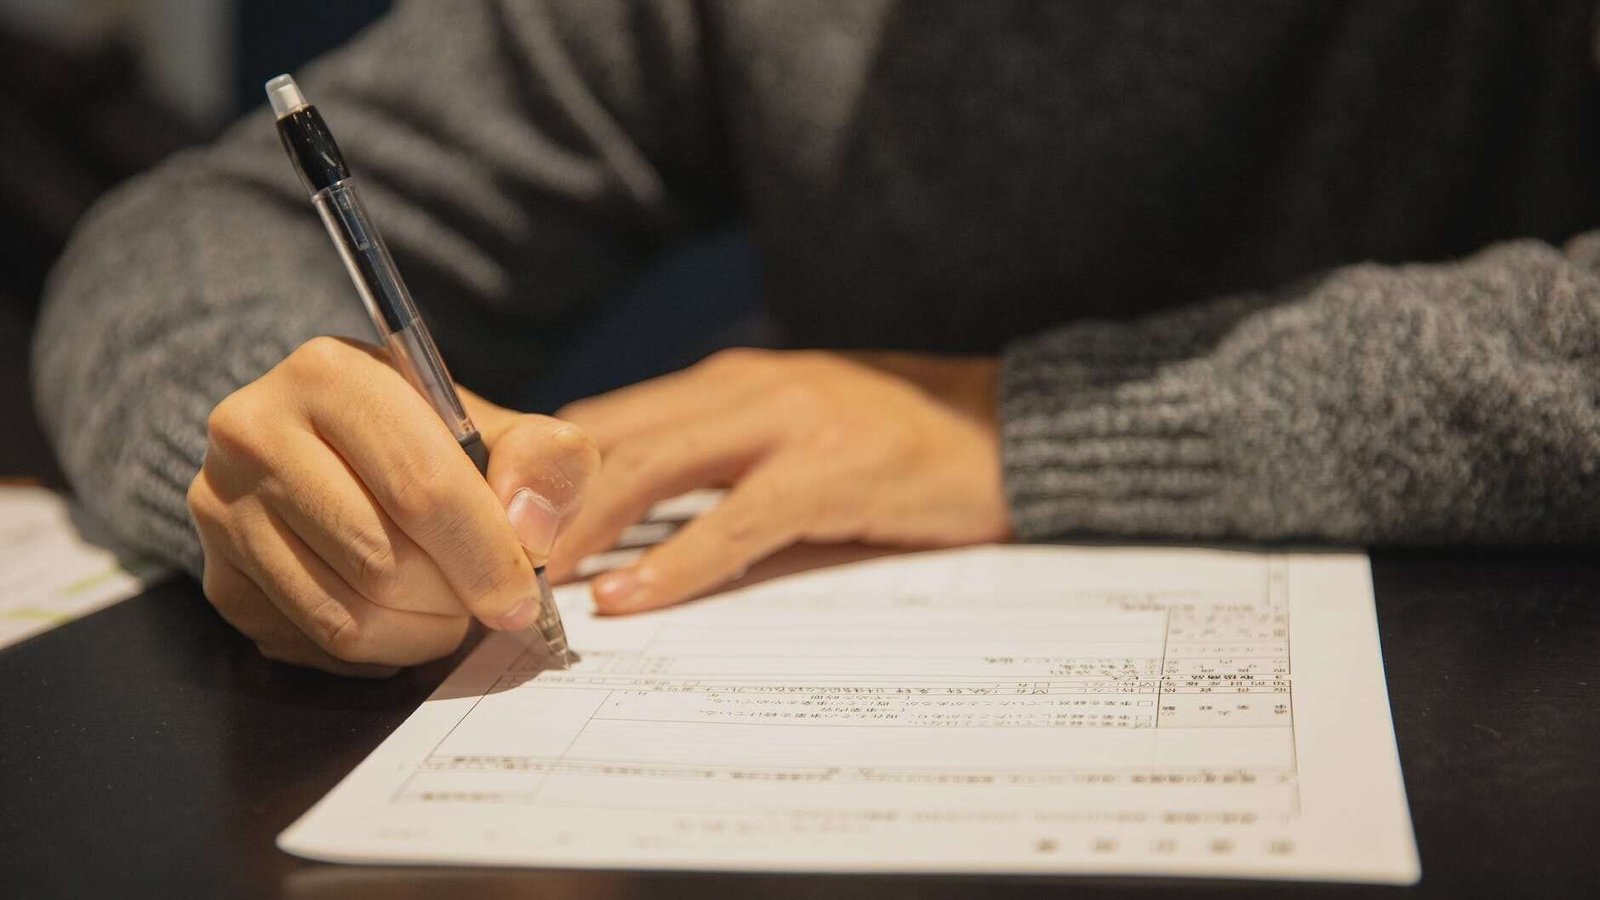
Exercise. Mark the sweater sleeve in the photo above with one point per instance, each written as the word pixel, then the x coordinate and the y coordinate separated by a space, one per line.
pixel 1411 405
pixel 521 158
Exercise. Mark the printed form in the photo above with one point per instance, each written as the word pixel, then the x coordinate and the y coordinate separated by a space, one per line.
pixel 988 710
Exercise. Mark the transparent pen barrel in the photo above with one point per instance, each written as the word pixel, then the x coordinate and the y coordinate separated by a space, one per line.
pixel 389 303
pixel 428 375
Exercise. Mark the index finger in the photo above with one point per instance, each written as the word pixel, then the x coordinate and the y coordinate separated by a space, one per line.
pixel 764 513
pixel 408 459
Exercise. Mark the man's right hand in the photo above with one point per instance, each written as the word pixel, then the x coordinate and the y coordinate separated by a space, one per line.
pixel 344 528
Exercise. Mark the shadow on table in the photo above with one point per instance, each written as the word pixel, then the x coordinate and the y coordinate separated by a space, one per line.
pixel 326 882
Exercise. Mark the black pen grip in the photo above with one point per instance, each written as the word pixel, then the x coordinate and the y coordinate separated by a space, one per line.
pixel 477 451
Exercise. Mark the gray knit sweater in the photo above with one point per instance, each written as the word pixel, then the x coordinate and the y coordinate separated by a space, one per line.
pixel 1258 270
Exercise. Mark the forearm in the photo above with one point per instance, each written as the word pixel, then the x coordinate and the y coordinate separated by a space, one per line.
pixel 151 319
pixel 515 157
pixel 1400 405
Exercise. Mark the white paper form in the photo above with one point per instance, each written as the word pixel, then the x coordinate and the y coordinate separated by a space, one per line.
pixel 996 709
pixel 50 572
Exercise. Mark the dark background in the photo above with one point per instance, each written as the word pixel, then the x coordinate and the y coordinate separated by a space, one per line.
pixel 81 113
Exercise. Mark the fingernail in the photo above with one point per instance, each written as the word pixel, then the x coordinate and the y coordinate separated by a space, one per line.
pixel 614 590
pixel 519 618
pixel 535 520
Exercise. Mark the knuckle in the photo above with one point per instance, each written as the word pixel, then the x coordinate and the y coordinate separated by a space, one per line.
pixel 230 425
pixel 736 360
pixel 583 452
pixel 211 584
pixel 317 358
pixel 564 459
pixel 197 499
pixel 421 491
pixel 193 498
pixel 336 631
pixel 563 443
pixel 348 642
pixel 377 570
pixel 241 430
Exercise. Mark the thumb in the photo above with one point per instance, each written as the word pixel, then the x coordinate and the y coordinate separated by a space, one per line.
pixel 539 467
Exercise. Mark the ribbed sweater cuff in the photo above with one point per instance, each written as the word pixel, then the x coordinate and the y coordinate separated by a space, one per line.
pixel 167 446
pixel 1110 430
pixel 164 462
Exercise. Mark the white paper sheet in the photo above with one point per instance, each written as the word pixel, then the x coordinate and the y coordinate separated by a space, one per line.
pixel 50 572
pixel 1018 709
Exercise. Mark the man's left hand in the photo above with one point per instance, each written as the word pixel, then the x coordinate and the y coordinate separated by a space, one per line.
pixel 878 448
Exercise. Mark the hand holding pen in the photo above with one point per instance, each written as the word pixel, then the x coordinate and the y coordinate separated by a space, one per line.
pixel 343 525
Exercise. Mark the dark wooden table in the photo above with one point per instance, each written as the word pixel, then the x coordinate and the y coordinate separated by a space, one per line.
pixel 146 751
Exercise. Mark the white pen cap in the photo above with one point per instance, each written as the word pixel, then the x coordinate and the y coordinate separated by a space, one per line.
pixel 284 95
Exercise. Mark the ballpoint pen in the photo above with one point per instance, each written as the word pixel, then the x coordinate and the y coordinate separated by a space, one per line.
pixel 411 349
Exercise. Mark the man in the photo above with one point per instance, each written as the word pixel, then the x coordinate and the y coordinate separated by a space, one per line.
pixel 1211 271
